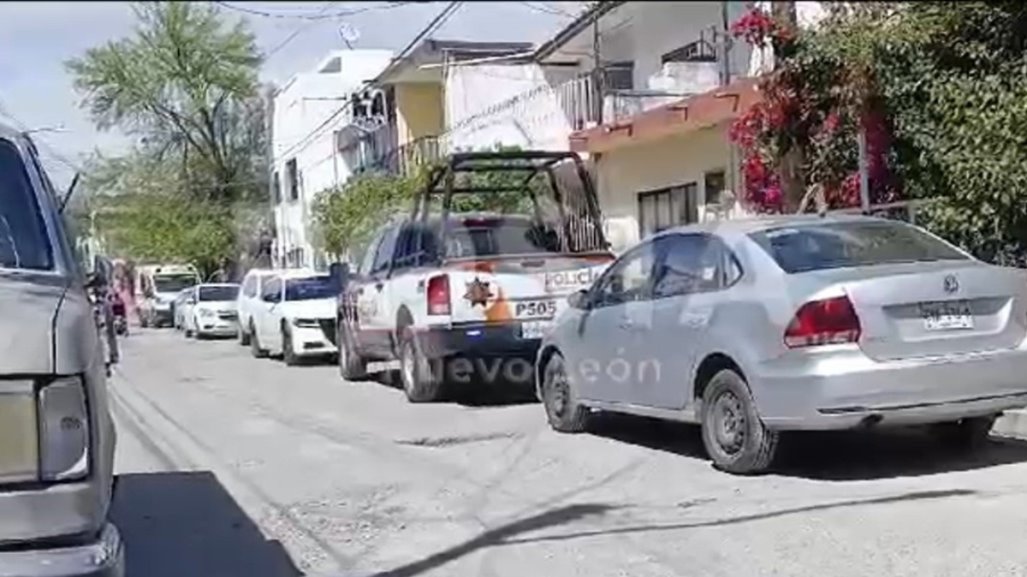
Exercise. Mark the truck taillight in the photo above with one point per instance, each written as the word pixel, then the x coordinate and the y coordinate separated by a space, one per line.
pixel 438 295
pixel 823 322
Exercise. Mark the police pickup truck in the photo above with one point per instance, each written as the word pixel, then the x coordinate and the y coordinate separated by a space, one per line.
pixel 474 285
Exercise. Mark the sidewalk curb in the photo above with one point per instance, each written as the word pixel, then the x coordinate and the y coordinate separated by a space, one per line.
pixel 1012 424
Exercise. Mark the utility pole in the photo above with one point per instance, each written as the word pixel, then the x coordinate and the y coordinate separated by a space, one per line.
pixel 598 76
pixel 724 44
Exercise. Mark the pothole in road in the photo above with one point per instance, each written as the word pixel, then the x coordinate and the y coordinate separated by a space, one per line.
pixel 442 442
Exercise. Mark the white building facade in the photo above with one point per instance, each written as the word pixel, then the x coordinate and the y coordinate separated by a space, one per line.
pixel 309 114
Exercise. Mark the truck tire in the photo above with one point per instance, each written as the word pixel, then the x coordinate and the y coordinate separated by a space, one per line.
pixel 420 383
pixel 735 438
pixel 352 367
pixel 244 337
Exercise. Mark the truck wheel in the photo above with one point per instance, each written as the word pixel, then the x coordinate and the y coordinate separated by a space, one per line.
pixel 735 437
pixel 420 383
pixel 967 434
pixel 562 409
pixel 143 322
pixel 255 350
pixel 244 337
pixel 352 366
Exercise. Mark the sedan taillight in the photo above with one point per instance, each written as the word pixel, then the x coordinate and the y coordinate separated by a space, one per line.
pixel 823 322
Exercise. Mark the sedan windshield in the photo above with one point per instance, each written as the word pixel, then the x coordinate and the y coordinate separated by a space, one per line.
pixel 219 293
pixel 173 283
pixel 23 239
pixel 829 245
pixel 310 288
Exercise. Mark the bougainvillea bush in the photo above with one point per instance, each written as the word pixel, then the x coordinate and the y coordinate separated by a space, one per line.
pixel 813 105
pixel 940 91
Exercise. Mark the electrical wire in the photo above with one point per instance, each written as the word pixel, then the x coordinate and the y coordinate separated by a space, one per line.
pixel 440 19
pixel 299 30
pixel 320 15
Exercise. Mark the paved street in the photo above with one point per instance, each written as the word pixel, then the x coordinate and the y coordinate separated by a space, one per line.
pixel 233 466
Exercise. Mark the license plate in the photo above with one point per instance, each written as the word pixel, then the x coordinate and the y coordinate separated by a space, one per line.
pixel 944 316
pixel 535 329
pixel 540 309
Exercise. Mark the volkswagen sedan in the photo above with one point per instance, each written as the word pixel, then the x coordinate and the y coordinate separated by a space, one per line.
pixel 750 328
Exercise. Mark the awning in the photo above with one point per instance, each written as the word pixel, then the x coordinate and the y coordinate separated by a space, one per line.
pixel 687 115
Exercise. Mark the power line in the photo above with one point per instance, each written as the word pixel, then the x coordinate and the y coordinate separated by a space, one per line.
pixel 547 9
pixel 436 23
pixel 38 140
pixel 321 15
pixel 299 30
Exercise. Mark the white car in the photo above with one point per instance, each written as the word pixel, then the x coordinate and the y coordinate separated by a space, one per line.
pixel 177 307
pixel 296 318
pixel 249 300
pixel 210 311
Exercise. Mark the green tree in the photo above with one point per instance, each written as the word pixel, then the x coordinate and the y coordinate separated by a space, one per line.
pixel 185 85
pixel 185 80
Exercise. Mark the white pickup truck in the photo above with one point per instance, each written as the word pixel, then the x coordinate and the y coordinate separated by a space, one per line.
pixel 472 285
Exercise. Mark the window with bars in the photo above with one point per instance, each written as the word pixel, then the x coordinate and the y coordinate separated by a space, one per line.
pixel 666 208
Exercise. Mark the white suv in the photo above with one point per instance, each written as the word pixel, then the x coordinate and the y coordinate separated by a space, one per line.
pixel 248 301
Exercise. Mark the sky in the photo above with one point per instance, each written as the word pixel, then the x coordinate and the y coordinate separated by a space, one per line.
pixel 36 38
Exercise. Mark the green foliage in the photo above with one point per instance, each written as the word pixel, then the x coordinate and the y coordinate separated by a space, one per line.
pixel 951 79
pixel 344 219
pixel 185 84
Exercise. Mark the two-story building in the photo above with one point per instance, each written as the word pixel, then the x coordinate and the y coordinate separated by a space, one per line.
pixel 416 97
pixel 311 114
pixel 645 90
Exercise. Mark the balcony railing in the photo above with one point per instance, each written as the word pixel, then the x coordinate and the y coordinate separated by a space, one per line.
pixel 404 159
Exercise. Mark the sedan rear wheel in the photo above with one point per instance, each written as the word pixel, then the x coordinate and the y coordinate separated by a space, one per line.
pixel 733 434
pixel 563 411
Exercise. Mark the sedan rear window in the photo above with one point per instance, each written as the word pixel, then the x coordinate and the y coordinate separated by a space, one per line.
pixel 23 240
pixel 830 245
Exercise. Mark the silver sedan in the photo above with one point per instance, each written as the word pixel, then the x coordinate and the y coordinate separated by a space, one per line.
pixel 753 327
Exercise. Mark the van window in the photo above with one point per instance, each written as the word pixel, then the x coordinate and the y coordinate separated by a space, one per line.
pixel 23 240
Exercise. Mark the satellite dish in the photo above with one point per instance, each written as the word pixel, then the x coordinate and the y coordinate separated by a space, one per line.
pixel 348 33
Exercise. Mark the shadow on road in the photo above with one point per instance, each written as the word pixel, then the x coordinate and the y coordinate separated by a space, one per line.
pixel 186 523
pixel 829 456
pixel 498 536
pixel 915 496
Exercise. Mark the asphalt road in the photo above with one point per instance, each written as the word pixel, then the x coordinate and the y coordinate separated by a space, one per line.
pixel 233 466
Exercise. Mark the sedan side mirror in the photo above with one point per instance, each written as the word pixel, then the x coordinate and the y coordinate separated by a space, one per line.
pixel 578 299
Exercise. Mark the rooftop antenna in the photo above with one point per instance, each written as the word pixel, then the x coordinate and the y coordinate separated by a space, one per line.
pixel 349 34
